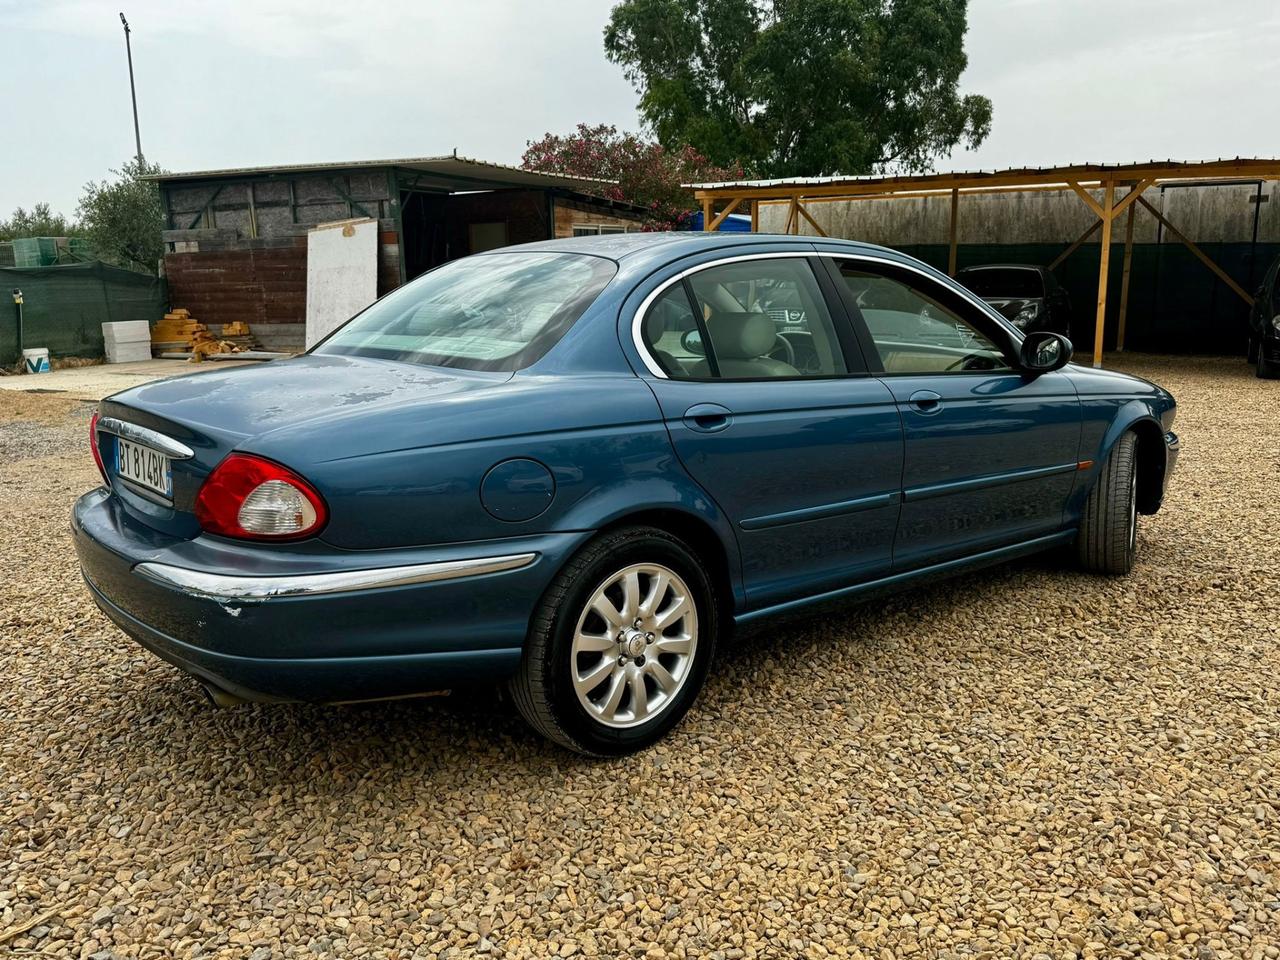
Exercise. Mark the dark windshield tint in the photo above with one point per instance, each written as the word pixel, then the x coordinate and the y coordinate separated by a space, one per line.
pixel 1011 282
pixel 494 312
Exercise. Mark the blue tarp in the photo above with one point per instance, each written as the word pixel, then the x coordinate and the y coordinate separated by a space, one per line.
pixel 733 223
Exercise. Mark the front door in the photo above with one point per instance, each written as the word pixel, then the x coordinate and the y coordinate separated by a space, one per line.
pixel 770 410
pixel 991 453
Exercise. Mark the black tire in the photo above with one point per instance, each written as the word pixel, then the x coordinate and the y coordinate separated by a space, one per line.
pixel 1107 541
pixel 1251 355
pixel 543 687
pixel 1266 369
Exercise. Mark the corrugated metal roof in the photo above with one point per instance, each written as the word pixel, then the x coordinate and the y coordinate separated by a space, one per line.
pixel 467 173
pixel 1183 169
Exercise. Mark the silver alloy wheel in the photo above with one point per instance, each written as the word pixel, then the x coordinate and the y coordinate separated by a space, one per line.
pixel 634 645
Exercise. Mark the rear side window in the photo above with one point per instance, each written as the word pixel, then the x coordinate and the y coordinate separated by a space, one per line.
pixel 751 320
pixel 497 312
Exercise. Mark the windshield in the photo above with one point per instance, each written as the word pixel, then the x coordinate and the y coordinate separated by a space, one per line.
pixel 1011 282
pixel 495 312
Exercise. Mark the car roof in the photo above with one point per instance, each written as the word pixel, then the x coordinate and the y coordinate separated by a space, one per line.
pixel 675 244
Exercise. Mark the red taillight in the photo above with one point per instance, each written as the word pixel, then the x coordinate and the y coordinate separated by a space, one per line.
pixel 251 498
pixel 93 445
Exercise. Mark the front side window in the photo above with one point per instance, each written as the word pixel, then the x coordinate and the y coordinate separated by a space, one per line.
pixel 754 319
pixel 1013 283
pixel 498 312
pixel 915 333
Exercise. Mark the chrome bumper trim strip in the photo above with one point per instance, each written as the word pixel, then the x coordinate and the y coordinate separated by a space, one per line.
pixel 222 587
pixel 149 438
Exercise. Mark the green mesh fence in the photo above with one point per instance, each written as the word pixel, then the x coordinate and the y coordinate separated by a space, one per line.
pixel 1175 304
pixel 65 306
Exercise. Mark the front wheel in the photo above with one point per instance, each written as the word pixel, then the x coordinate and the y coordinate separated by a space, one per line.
pixel 1266 369
pixel 1108 539
pixel 620 645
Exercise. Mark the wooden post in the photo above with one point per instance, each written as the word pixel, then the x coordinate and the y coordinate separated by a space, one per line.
pixel 1124 277
pixel 755 216
pixel 951 256
pixel 1108 201
pixel 707 206
pixel 793 217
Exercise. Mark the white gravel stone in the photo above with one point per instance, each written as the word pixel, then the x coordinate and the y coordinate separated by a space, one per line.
pixel 1023 762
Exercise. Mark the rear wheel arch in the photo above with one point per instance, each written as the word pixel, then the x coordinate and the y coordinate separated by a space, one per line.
pixel 702 538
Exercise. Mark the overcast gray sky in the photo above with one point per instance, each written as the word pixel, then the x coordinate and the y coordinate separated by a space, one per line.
pixel 249 82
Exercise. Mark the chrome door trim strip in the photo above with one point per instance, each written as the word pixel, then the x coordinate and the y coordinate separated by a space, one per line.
pixel 253 589
pixel 822 512
pixel 148 438
pixel 637 319
pixel 913 494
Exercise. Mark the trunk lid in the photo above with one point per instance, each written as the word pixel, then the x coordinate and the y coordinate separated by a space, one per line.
pixel 219 411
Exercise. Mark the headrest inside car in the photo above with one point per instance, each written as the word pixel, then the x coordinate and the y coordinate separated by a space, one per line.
pixel 741 336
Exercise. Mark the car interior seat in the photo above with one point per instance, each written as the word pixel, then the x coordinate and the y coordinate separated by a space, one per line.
pixel 655 327
pixel 742 342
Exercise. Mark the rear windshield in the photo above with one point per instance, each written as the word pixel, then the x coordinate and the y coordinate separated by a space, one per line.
pixel 494 312
pixel 1003 282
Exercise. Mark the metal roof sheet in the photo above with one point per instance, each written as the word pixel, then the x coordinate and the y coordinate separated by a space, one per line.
pixel 469 174
pixel 1181 169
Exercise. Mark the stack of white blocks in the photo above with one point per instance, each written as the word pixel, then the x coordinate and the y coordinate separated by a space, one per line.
pixel 128 341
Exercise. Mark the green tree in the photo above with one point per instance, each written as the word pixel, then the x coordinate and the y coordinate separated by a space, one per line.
pixel 39 221
pixel 802 87
pixel 124 219
pixel 647 174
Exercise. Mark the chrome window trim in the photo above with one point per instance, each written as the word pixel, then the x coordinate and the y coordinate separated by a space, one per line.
pixel 637 320
pixel 149 438
pixel 253 589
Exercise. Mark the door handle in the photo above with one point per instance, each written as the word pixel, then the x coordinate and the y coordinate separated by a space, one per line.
pixel 926 401
pixel 707 417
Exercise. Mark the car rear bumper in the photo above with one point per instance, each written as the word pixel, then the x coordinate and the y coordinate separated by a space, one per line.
pixel 315 623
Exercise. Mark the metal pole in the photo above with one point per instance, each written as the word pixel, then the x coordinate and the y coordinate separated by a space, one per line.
pixel 133 93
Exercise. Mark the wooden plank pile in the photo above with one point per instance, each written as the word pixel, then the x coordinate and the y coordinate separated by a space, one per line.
pixel 179 333
pixel 175 333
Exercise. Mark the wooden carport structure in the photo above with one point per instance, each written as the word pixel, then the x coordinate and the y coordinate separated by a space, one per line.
pixel 721 199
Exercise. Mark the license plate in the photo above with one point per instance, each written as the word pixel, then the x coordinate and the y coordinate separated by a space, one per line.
pixel 146 467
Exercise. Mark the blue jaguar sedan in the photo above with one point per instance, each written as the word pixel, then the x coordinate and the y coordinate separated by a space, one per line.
pixel 572 467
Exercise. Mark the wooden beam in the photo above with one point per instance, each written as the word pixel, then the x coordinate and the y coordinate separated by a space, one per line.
pixel 1134 193
pixel 951 236
pixel 1093 228
pixel 755 216
pixel 1092 204
pixel 707 206
pixel 812 222
pixel 1124 276
pixel 1108 201
pixel 792 215
pixel 715 224
pixel 1200 254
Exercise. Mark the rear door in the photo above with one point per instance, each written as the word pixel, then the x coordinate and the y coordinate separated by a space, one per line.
pixel 991 453
pixel 769 406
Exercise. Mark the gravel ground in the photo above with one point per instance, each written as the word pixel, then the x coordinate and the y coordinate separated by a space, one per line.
pixel 1026 762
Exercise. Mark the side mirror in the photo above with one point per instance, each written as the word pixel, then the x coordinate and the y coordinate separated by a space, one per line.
pixel 691 340
pixel 1044 352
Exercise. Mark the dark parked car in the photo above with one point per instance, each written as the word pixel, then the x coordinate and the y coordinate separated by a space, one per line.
pixel 572 466
pixel 1030 297
pixel 1264 325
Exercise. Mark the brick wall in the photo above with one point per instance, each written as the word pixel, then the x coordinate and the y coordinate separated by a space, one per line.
pixel 260 281
pixel 222 279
